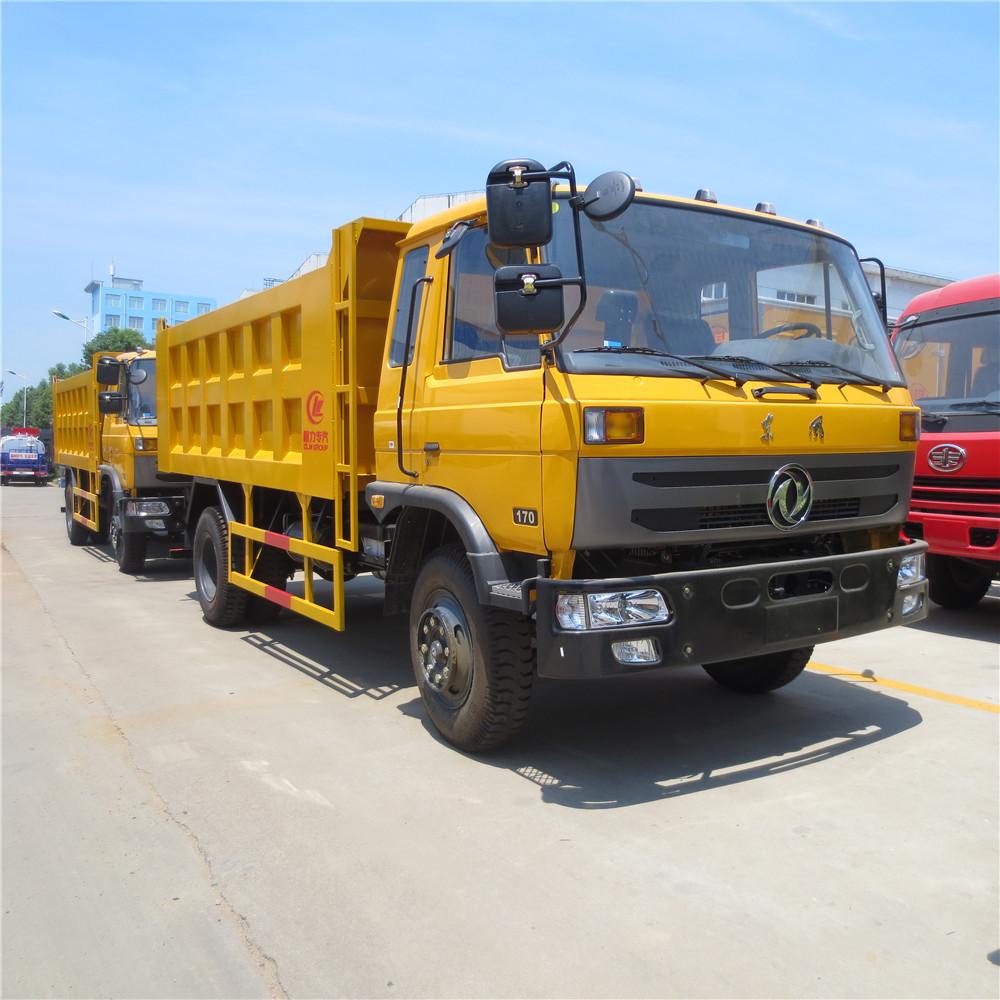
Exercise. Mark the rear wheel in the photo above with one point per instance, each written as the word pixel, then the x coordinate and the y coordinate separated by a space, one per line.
pixel 474 665
pixel 130 547
pixel 222 603
pixel 78 533
pixel 956 584
pixel 757 674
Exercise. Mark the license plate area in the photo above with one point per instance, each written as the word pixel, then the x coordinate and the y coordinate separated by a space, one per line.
pixel 802 619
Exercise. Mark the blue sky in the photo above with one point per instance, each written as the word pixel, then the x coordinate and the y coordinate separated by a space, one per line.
pixel 205 146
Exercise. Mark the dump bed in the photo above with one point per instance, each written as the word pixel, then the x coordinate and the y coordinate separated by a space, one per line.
pixel 76 421
pixel 279 389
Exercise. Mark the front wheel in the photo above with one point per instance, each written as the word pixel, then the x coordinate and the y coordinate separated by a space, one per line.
pixel 956 584
pixel 757 674
pixel 130 548
pixel 223 604
pixel 474 665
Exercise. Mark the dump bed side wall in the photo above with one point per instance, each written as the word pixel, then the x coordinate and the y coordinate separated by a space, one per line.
pixel 275 389
pixel 76 422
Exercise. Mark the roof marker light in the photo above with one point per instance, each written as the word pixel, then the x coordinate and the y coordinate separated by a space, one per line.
pixel 766 207
pixel 706 194
pixel 818 223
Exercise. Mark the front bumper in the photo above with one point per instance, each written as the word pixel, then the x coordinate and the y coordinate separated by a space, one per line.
pixel 964 536
pixel 735 611
pixel 168 525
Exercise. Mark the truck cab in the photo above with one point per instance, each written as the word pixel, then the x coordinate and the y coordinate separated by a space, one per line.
pixel 948 342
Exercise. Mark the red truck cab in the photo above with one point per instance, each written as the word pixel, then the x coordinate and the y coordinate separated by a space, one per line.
pixel 948 343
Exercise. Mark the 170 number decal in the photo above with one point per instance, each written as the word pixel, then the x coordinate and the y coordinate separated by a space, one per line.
pixel 525 515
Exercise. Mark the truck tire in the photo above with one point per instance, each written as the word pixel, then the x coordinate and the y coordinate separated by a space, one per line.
pixel 956 584
pixel 223 604
pixel 474 665
pixel 130 550
pixel 78 533
pixel 757 674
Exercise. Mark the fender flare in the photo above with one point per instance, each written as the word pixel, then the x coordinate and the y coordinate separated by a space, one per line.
pixel 485 560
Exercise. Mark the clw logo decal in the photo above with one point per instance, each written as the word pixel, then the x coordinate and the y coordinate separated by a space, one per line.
pixel 314 407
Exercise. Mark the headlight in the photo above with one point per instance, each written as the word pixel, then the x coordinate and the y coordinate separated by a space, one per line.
pixel 911 571
pixel 146 507
pixel 611 609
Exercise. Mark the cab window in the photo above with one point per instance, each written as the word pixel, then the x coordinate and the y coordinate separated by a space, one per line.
pixel 414 268
pixel 471 325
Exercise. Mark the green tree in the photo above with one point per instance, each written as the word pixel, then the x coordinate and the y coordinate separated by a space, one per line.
pixel 115 338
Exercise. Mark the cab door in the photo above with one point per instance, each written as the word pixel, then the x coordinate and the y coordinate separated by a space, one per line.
pixel 475 422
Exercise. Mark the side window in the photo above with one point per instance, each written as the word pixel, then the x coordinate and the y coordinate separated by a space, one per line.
pixel 471 323
pixel 414 268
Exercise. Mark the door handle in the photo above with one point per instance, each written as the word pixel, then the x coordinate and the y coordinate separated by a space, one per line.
pixel 432 446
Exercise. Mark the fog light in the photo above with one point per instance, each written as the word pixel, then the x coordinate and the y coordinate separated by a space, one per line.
pixel 156 524
pixel 912 602
pixel 636 651
pixel 911 571
pixel 629 607
pixel 570 611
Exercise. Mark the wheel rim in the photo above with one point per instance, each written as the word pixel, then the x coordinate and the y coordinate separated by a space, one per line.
pixel 116 534
pixel 444 648
pixel 208 570
pixel 69 509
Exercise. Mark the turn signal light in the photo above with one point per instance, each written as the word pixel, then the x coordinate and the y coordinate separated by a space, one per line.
pixel 613 425
pixel 909 425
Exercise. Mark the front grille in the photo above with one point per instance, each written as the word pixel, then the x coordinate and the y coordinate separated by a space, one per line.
pixel 755 514
pixel 922 493
pixel 757 477
pixel 956 482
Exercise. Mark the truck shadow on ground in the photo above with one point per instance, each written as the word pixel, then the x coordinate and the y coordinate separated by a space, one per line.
pixel 613 743
pixel 155 569
pixel 603 745
pixel 981 622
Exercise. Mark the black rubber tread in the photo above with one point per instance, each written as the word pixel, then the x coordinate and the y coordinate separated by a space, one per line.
pixel 955 585
pixel 230 604
pixel 504 663
pixel 272 568
pixel 79 534
pixel 130 552
pixel 758 674
pixel 104 513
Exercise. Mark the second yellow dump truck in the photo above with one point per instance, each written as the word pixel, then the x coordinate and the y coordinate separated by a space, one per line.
pixel 578 432
pixel 105 437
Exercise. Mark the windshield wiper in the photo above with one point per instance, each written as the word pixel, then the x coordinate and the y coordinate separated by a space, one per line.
pixel 933 419
pixel 744 359
pixel 684 359
pixel 882 383
pixel 975 404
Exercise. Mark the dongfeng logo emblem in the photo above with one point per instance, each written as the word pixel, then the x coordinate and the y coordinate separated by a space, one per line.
pixel 789 497
pixel 946 457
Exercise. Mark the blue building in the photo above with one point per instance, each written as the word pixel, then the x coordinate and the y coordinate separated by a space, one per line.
pixel 123 302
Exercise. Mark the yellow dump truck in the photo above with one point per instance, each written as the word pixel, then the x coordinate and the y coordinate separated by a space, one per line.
pixel 105 434
pixel 517 414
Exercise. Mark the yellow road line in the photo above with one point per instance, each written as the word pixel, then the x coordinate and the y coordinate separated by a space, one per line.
pixel 868 677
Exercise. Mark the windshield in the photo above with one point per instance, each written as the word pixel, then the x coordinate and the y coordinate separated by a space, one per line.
pixel 952 363
pixel 142 398
pixel 22 445
pixel 741 292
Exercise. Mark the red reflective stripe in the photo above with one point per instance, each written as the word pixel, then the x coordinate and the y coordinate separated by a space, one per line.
pixel 277 540
pixel 278 596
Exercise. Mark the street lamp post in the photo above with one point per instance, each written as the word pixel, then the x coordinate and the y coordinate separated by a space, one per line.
pixel 85 323
pixel 24 396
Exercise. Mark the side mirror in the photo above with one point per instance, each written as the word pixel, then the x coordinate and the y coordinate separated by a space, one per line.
pixel 110 402
pixel 108 371
pixel 137 376
pixel 609 195
pixel 524 305
pixel 519 207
